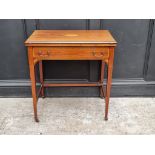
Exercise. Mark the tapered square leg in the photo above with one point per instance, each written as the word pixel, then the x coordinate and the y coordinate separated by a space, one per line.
pixel 41 78
pixel 33 82
pixel 109 80
pixel 102 94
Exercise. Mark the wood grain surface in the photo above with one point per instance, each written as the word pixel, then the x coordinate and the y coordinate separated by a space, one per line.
pixel 71 36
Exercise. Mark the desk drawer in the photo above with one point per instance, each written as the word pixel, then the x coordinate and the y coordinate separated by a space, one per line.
pixel 71 53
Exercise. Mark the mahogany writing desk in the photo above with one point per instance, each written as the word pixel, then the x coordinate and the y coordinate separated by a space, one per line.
pixel 71 45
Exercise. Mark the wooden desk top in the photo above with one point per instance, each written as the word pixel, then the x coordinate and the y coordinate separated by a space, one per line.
pixel 70 37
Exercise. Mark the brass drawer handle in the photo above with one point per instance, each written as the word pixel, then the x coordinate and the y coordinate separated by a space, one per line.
pixel 101 54
pixel 44 54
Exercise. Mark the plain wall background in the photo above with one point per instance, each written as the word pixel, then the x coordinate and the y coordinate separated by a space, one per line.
pixel 134 69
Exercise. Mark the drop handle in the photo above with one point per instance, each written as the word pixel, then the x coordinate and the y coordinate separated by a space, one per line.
pixel 40 53
pixel 101 54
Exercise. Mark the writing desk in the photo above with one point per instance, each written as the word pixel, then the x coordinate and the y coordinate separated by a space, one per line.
pixel 70 45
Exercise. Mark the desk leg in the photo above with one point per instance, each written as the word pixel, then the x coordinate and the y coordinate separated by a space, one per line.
pixel 33 81
pixel 41 79
pixel 109 80
pixel 102 94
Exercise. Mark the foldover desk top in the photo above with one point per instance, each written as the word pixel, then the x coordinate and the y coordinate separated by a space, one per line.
pixel 70 37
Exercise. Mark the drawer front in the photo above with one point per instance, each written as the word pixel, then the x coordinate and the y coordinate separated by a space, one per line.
pixel 71 53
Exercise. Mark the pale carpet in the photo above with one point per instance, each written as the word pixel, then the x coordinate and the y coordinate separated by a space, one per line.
pixel 77 116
